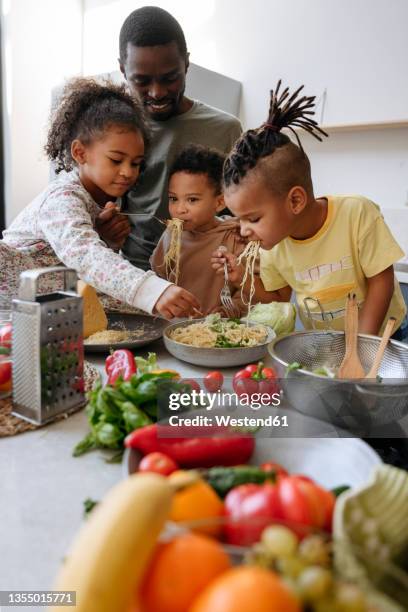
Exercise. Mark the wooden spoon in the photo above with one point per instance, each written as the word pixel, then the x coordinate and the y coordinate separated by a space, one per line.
pixel 383 345
pixel 351 365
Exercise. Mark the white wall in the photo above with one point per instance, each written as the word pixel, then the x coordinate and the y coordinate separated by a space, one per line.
pixel 234 37
pixel 43 46
pixel 244 40
pixel 373 163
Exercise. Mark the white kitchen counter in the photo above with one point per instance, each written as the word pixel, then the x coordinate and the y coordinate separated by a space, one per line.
pixel 42 489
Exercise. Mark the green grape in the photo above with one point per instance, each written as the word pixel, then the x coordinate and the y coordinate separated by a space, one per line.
pixel 315 582
pixel 279 541
pixel 292 585
pixel 325 605
pixel 259 555
pixel 349 598
pixel 291 567
pixel 315 550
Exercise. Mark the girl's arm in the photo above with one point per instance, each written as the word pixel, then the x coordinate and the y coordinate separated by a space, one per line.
pixel 67 226
pixel 156 260
pixel 380 289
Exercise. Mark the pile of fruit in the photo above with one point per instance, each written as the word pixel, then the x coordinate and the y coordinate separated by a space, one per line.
pixel 126 559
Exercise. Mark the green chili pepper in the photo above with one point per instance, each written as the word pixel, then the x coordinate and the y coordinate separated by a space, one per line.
pixel 129 391
pixel 108 435
pixel 114 395
pixel 340 489
pixel 223 479
pixel 146 391
pixel 85 445
pixel 134 417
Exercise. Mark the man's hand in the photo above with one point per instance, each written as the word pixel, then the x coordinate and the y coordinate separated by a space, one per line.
pixel 176 302
pixel 235 270
pixel 113 227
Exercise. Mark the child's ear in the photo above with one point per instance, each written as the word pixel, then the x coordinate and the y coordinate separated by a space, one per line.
pixel 220 203
pixel 78 152
pixel 297 198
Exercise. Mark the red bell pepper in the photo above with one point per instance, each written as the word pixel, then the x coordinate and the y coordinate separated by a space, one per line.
pixel 249 509
pixel 5 335
pixel 272 466
pixel 305 502
pixel 295 500
pixel 228 449
pixel 120 363
pixel 5 373
pixel 255 379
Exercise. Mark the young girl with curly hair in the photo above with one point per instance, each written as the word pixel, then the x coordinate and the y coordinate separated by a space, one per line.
pixel 97 136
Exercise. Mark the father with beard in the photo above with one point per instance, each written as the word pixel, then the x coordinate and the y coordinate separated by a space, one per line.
pixel 154 61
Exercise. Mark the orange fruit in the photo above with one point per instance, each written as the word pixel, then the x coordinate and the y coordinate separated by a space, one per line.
pixel 180 570
pixel 198 501
pixel 246 589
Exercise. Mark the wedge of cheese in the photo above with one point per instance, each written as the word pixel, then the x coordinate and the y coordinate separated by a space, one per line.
pixel 94 315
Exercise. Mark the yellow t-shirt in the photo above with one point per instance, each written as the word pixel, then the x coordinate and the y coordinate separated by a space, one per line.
pixel 353 244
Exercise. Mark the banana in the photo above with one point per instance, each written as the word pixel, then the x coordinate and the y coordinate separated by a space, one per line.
pixel 110 553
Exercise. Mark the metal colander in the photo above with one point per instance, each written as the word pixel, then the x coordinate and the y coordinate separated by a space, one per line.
pixel 359 405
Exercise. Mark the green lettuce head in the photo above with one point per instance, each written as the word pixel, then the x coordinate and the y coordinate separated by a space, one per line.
pixel 281 316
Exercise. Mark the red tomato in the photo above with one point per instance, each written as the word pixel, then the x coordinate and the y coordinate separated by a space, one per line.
pixel 5 371
pixel 303 501
pixel 158 463
pixel 213 381
pixel 250 508
pixel 5 335
pixel 276 467
pixel 193 384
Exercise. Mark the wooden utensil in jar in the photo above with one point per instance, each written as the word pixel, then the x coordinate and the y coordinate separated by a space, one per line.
pixel 389 328
pixel 351 365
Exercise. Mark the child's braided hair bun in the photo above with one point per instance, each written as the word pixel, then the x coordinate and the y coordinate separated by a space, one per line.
pixel 285 111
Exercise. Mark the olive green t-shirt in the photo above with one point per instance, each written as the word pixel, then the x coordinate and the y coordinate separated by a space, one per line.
pixel 203 125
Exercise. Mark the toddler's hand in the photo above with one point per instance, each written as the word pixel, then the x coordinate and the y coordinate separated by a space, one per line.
pixel 113 227
pixel 176 302
pixel 235 270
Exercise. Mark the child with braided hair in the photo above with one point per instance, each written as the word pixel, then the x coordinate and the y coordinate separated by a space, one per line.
pixel 97 135
pixel 324 247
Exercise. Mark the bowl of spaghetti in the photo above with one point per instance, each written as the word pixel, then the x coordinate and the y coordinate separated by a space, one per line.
pixel 217 342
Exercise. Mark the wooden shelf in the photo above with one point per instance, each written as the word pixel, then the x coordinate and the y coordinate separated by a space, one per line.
pixel 355 127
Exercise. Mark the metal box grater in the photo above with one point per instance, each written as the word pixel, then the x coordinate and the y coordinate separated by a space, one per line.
pixel 47 348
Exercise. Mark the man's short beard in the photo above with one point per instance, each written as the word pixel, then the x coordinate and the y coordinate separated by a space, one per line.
pixel 172 113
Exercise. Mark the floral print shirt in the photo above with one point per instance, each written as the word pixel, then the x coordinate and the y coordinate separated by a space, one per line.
pixel 58 227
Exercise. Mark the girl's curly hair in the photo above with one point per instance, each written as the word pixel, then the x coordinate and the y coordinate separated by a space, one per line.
pixel 84 111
